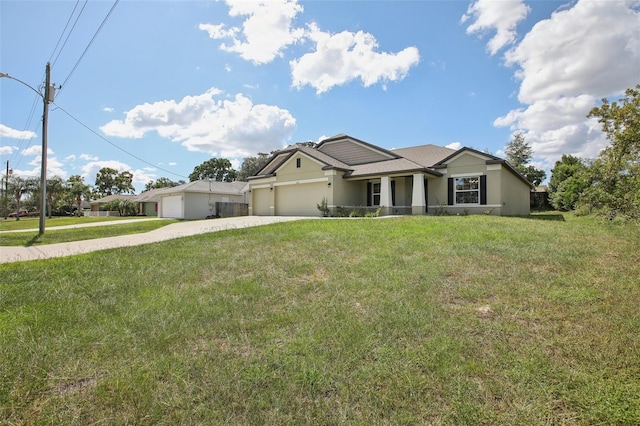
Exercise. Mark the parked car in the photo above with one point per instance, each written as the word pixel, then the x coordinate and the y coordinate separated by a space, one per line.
pixel 23 213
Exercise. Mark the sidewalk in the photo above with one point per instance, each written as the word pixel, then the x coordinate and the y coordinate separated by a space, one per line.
pixel 175 230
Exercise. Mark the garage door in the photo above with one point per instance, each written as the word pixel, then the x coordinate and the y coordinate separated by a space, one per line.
pixel 172 207
pixel 300 199
pixel 261 202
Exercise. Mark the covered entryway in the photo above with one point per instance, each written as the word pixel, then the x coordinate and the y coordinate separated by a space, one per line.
pixel 300 199
pixel 171 206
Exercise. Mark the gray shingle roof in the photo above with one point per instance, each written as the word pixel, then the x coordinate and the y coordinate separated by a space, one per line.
pixel 425 155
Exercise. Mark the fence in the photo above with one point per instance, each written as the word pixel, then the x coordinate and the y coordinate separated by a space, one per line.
pixel 539 200
pixel 231 209
pixel 100 213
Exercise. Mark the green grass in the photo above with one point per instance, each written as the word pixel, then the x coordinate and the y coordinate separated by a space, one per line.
pixel 414 320
pixel 28 223
pixel 52 236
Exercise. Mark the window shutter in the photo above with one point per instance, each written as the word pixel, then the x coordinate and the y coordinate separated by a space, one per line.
pixel 369 193
pixel 393 192
pixel 426 195
pixel 450 192
pixel 483 189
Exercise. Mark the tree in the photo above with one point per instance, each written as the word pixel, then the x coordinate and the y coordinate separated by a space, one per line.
pixel 252 165
pixel 55 191
pixel 218 169
pixel 78 189
pixel 615 175
pixel 110 182
pixel 568 182
pixel 18 187
pixel 162 182
pixel 519 154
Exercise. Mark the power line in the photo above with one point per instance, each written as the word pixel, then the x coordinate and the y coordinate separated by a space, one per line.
pixel 104 21
pixel 70 31
pixel 116 146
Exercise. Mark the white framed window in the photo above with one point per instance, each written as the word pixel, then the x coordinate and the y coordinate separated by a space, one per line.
pixel 298 163
pixel 467 190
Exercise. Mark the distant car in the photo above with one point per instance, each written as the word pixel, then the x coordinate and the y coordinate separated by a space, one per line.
pixel 24 213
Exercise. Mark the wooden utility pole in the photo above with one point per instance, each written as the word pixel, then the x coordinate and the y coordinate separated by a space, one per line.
pixel 43 171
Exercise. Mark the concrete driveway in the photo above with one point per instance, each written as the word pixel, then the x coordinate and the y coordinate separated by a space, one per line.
pixel 175 230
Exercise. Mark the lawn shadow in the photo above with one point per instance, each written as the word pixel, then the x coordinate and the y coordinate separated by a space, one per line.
pixel 545 216
pixel 33 240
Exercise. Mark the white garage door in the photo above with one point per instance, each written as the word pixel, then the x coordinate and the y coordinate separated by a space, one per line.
pixel 172 207
pixel 300 199
pixel 261 202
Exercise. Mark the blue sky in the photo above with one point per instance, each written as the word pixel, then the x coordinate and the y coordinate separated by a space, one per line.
pixel 167 85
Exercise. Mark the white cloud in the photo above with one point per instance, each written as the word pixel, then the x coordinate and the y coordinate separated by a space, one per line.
pixel 8 132
pixel 593 48
pixel 140 176
pixel 35 150
pixel 6 150
pixel 172 163
pixel 108 109
pixel 231 128
pixel 567 62
pixel 346 56
pixel 454 145
pixel 88 157
pixel 499 16
pixel 266 31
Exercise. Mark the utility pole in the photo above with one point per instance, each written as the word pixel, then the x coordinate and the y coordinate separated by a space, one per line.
pixel 43 171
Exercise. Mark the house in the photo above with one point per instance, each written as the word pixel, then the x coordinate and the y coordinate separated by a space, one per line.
pixel 351 173
pixel 198 199
pixel 147 202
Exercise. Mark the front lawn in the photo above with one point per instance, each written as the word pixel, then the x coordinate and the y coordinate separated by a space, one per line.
pixel 413 320
pixel 32 223
pixel 53 236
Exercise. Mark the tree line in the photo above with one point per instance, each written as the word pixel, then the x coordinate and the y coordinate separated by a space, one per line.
pixel 608 185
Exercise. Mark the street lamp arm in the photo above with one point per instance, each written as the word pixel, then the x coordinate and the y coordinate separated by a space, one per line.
pixel 5 75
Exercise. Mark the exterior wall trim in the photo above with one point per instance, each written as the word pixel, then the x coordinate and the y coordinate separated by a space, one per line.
pixel 315 180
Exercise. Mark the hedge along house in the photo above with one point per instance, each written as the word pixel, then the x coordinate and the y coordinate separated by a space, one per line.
pixel 350 173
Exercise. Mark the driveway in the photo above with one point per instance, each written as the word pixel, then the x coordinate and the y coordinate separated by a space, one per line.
pixel 175 230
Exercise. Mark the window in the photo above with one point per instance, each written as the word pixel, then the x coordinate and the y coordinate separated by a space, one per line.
pixel 297 163
pixel 375 194
pixel 467 190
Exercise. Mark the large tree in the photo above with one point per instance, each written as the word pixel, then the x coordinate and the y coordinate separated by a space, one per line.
pixel 218 169
pixel 519 154
pixel 252 165
pixel 567 183
pixel 111 182
pixel 615 175
pixel 162 182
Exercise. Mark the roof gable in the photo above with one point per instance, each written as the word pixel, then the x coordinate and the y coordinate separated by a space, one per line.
pixel 425 155
pixel 352 151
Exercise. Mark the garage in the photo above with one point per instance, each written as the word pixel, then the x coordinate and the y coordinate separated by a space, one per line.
pixel 171 206
pixel 300 199
pixel 262 202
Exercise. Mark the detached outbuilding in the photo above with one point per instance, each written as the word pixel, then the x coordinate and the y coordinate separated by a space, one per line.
pixel 347 173
pixel 200 199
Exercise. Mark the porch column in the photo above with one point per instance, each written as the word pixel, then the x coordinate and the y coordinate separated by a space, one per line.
pixel 385 195
pixel 417 197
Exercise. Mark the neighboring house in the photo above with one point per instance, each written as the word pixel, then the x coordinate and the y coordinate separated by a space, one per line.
pixel 197 200
pixel 147 202
pixel 351 173
pixel 96 205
